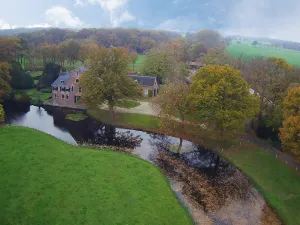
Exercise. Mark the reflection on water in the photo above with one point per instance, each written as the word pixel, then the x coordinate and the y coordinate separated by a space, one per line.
pixel 197 174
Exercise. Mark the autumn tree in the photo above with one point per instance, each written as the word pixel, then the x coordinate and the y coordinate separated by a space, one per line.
pixel 290 132
pixel 86 49
pixel 2 114
pixel 105 82
pixel 4 79
pixel 221 96
pixel 198 50
pixel 210 38
pixel 217 56
pixel 133 56
pixel 9 47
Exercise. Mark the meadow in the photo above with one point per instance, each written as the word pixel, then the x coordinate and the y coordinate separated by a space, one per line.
pixel 47 181
pixel 245 49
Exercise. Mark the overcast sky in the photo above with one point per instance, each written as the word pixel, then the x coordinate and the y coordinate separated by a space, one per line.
pixel 263 18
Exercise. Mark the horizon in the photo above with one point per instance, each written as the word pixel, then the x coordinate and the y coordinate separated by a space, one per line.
pixel 249 18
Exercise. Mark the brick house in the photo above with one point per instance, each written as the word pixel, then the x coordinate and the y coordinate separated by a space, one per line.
pixel 65 89
pixel 149 85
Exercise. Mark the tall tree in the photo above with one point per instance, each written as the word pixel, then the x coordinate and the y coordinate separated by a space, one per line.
pixel 217 56
pixel 210 38
pixel 4 79
pixel 105 82
pixel 221 96
pixel 133 56
pixel 9 47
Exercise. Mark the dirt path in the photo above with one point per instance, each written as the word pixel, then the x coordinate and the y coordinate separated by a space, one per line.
pixel 143 108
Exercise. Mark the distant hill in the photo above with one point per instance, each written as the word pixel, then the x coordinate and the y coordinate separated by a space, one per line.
pixel 17 31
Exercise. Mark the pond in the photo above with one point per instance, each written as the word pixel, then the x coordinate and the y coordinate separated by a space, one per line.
pixel 214 191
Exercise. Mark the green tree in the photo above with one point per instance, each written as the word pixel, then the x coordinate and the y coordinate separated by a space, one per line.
pixel 9 48
pixel 4 79
pixel 20 79
pixel 133 57
pixel 2 114
pixel 254 43
pixel 221 96
pixel 217 56
pixel 105 82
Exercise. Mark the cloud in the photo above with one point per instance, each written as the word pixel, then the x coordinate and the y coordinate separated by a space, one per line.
pixel 116 10
pixel 179 24
pixel 43 25
pixel 59 16
pixel 5 26
pixel 267 18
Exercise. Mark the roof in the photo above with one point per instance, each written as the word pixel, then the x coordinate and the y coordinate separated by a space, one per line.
pixel 62 77
pixel 143 80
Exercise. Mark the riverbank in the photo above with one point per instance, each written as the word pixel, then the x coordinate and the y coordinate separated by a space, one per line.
pixel 278 184
pixel 45 180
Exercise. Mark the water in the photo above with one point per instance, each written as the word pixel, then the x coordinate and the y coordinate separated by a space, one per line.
pixel 190 167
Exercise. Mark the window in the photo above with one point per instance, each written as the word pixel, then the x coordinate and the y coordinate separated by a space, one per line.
pixel 72 88
pixel 61 81
pixel 145 92
pixel 77 80
pixel 77 74
pixel 62 96
pixel 67 96
pixel 60 88
pixel 54 95
pixel 79 89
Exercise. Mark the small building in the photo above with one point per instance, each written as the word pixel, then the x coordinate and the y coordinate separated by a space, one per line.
pixel 149 85
pixel 65 89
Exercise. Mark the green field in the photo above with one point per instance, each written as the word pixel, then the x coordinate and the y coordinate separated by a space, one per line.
pixel 278 184
pixel 34 94
pixel 47 181
pixel 138 63
pixel 247 50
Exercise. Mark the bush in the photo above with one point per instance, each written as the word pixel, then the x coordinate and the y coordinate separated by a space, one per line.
pixel 150 93
pixel 21 96
pixel 19 78
pixel 46 90
pixel 2 114
pixel 76 117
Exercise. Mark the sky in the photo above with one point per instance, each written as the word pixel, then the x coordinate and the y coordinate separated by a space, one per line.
pixel 256 18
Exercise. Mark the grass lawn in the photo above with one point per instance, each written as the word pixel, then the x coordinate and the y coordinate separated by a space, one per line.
pixel 138 63
pixel 126 119
pixel 47 181
pixel 279 184
pixel 34 93
pixel 128 104
pixel 245 48
pixel 36 73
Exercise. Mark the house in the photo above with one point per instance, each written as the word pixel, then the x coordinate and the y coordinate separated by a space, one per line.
pixel 149 85
pixel 66 90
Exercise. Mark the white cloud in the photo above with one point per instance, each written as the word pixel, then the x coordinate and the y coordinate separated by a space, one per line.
pixel 268 18
pixel 179 24
pixel 79 3
pixel 60 16
pixel 116 10
pixel 5 26
pixel 44 25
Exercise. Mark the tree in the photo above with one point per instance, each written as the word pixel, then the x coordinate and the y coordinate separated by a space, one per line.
pixel 290 135
pixel 221 96
pixel 163 63
pixel 254 43
pixel 4 79
pixel 133 57
pixel 20 79
pixel 2 114
pixel 105 82
pixel 290 131
pixel 9 47
pixel 210 38
pixel 50 74
pixel 217 56
pixel 198 50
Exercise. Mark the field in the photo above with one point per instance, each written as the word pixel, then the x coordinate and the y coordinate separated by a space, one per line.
pixel 278 183
pixel 246 49
pixel 47 181
pixel 139 63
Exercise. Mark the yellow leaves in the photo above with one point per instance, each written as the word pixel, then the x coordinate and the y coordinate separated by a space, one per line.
pixel 292 102
pixel 1 114
pixel 281 63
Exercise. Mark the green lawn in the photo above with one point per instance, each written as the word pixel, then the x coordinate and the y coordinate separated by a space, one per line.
pixel 139 63
pixel 47 181
pixel 34 93
pixel 126 119
pixel 128 104
pixel 246 49
pixel 279 184
pixel 36 73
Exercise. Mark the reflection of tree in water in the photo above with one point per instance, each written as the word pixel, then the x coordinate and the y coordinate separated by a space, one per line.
pixel 207 178
pixel 107 135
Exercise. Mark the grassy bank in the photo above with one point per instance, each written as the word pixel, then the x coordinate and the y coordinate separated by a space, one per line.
pixel 46 181
pixel 246 49
pixel 278 184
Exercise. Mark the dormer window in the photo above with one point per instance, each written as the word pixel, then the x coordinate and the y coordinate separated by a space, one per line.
pixel 77 80
pixel 77 74
pixel 61 81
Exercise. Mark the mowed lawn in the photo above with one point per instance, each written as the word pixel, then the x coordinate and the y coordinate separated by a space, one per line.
pixel 46 181
pixel 138 63
pixel 246 49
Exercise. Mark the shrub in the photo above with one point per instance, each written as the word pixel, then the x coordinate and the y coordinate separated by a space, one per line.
pixel 19 78
pixel 76 117
pixel 21 97
pixel 46 90
pixel 2 114
pixel 150 93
